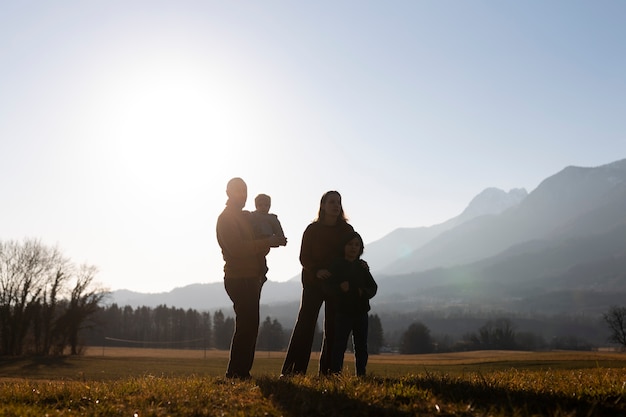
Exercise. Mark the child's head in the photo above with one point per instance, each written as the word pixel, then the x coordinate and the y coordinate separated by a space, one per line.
pixel 352 246
pixel 263 202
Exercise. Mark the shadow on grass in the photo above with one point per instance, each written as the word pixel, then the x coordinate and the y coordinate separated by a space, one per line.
pixel 515 402
pixel 35 365
pixel 297 400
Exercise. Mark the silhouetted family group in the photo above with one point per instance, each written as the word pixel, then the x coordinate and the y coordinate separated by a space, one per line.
pixel 333 274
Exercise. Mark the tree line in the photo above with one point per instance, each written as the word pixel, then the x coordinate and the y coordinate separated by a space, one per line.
pixel 172 327
pixel 45 299
pixel 163 326
pixel 500 334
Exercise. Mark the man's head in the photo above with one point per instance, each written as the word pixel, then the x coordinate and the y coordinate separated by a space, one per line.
pixel 237 192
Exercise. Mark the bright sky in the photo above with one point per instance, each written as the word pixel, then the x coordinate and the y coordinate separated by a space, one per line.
pixel 122 121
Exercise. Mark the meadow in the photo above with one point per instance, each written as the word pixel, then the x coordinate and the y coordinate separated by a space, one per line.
pixel 160 382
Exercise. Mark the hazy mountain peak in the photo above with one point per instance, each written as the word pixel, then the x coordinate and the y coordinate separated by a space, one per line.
pixel 621 164
pixel 402 242
pixel 494 201
pixel 581 185
pixel 615 172
pixel 572 202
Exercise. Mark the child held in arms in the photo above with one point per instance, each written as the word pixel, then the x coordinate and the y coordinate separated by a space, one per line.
pixel 264 223
pixel 351 286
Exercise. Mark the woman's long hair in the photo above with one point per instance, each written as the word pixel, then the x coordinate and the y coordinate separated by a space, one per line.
pixel 322 213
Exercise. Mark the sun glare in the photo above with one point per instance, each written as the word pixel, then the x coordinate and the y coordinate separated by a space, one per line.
pixel 170 123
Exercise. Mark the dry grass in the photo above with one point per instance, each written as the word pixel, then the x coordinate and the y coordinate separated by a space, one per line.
pixel 155 382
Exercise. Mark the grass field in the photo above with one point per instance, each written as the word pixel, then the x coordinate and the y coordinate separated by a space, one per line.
pixel 155 382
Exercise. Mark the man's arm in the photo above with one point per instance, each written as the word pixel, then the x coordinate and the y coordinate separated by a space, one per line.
pixel 237 240
pixel 277 229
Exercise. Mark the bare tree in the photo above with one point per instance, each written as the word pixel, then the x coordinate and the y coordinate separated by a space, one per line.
pixel 37 310
pixel 47 312
pixel 616 319
pixel 26 269
pixel 497 334
pixel 82 303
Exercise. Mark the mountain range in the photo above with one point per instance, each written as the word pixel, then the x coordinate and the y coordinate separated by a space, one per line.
pixel 559 249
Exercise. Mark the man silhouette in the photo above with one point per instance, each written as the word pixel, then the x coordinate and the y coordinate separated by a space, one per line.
pixel 244 260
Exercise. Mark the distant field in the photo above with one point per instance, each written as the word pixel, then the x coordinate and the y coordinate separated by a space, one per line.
pixel 110 363
pixel 455 358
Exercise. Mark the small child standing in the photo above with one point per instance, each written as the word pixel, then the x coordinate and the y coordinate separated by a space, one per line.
pixel 265 224
pixel 351 285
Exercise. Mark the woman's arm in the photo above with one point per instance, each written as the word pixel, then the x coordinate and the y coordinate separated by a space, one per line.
pixel 306 250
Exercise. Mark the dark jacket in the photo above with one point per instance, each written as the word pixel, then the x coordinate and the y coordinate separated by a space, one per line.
pixel 361 282
pixel 320 246
pixel 244 256
pixel 265 225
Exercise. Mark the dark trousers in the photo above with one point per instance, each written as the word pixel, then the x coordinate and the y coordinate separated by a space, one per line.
pixel 299 350
pixel 245 294
pixel 344 324
pixel 328 340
